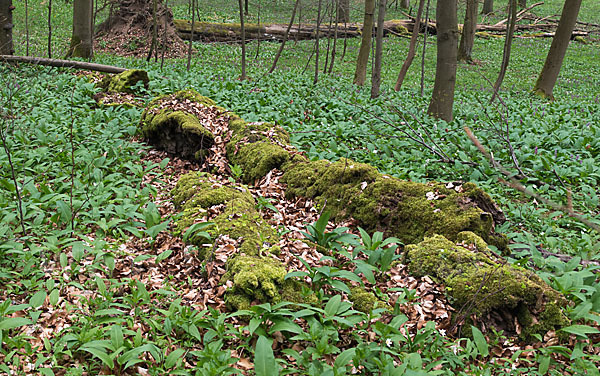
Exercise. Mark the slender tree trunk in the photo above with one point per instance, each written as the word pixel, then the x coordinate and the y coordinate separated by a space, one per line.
pixel 154 43
pixel 360 74
pixel 488 6
pixel 335 38
pixel 424 48
pixel 512 21
pixel 523 3
pixel 558 48
pixel 343 11
pixel 26 28
pixel 329 39
pixel 49 29
pixel 243 31
pixel 442 99
pixel 259 31
pixel 411 47
pixel 376 78
pixel 467 39
pixel 285 37
pixel 189 57
pixel 246 12
pixel 6 26
pixel 405 4
pixel 164 38
pixel 317 43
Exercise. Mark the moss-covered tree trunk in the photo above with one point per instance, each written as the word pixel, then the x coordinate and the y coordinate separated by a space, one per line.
pixel 467 38
pixel 6 26
pixel 360 75
pixel 547 79
pixel 376 79
pixel 442 99
pixel 81 39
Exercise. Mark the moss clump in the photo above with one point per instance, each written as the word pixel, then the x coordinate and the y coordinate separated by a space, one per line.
pixel 194 194
pixel 254 279
pixel 363 300
pixel 407 210
pixel 474 279
pixel 254 147
pixel 125 81
pixel 470 238
pixel 177 132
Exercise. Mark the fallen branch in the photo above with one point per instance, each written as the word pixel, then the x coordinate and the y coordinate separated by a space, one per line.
pixel 520 13
pixel 61 63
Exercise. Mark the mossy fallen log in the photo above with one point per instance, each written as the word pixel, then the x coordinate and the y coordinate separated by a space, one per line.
pixel 505 296
pixel 177 131
pixel 231 32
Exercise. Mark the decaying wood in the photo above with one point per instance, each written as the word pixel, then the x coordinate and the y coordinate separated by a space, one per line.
pixel 220 32
pixel 61 63
pixel 216 32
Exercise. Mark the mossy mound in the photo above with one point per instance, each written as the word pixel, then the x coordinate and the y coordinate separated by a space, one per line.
pixel 254 147
pixel 177 132
pixel 125 82
pixel 255 279
pixel 477 283
pixel 407 210
pixel 363 300
pixel 194 195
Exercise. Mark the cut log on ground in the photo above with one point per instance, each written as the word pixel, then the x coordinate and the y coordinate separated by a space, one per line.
pixel 61 63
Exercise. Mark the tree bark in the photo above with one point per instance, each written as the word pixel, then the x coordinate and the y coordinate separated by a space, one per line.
pixel 60 63
pixel 507 45
pixel 376 79
pixel 411 47
pixel 405 4
pixel 442 99
pixel 6 26
pixel 285 37
pixel 343 11
pixel 81 39
pixel 522 3
pixel 549 74
pixel 317 44
pixel 242 26
pixel 488 6
pixel 360 74
pixel 467 38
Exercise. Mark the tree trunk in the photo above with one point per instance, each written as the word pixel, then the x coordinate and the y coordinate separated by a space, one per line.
pixel 442 98
pixel 411 47
pixel 522 3
pixel 405 4
pixel 488 6
pixel 365 45
pixel 467 38
pixel 243 76
pixel 81 39
pixel 343 11
pixel 556 55
pixel 512 10
pixel 317 44
pixel 376 79
pixel 6 26
pixel 285 37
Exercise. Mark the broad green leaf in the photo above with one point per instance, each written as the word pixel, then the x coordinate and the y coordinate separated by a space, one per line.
pixel 480 342
pixel 344 358
pixel 37 299
pixel 13 322
pixel 173 358
pixel 332 305
pixel 580 330
pixel 264 360
pixel 100 354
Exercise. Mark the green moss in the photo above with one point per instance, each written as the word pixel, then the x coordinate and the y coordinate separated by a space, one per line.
pixel 254 279
pixel 254 147
pixel 470 238
pixel 580 39
pixel 475 279
pixel 400 208
pixel 124 82
pixel 194 194
pixel 363 300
